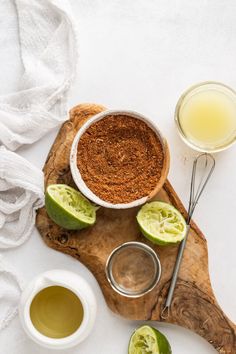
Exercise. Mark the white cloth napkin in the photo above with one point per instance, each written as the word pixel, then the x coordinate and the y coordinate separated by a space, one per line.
pixel 10 291
pixel 21 193
pixel 48 49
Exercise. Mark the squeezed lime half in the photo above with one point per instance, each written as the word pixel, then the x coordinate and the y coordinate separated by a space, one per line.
pixel 68 208
pixel 161 223
pixel 148 340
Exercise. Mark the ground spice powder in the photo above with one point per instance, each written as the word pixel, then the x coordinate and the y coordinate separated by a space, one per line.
pixel 120 159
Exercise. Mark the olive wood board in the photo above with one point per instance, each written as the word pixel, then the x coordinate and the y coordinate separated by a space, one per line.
pixel 194 305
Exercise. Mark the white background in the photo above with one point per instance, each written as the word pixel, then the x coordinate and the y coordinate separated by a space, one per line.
pixel 141 55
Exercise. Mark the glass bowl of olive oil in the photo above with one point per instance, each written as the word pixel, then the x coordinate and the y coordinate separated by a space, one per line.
pixel 205 116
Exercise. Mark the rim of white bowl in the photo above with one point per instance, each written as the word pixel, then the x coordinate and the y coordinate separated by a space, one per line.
pixel 84 189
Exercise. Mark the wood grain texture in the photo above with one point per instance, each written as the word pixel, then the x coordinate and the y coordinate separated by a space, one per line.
pixel 194 305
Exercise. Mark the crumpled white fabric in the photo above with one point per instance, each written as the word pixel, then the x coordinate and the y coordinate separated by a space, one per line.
pixel 10 291
pixel 21 193
pixel 48 48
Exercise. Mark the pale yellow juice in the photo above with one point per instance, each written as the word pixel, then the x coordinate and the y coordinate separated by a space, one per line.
pixel 207 118
pixel 56 312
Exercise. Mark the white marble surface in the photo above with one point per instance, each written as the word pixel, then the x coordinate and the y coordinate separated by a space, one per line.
pixel 141 55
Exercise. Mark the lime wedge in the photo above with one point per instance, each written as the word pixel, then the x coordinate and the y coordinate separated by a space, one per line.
pixel 161 223
pixel 68 208
pixel 148 340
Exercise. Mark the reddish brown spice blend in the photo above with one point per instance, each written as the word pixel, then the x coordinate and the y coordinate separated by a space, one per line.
pixel 120 159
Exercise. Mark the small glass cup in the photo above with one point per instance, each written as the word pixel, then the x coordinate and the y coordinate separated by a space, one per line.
pixel 133 269
pixel 185 99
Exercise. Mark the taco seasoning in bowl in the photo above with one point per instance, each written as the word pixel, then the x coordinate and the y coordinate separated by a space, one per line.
pixel 119 159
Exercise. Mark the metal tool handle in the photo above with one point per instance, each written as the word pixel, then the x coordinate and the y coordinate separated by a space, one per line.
pixel 165 311
pixel 195 194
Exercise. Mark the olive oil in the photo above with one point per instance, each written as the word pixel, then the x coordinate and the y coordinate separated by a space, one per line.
pixel 56 312
pixel 207 117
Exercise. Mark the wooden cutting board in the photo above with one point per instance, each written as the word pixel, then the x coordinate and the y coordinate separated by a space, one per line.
pixel 194 305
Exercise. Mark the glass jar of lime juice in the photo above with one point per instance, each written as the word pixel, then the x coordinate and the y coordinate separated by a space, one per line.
pixel 206 116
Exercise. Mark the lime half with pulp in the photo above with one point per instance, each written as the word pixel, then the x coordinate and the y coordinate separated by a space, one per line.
pixel 148 340
pixel 161 223
pixel 68 208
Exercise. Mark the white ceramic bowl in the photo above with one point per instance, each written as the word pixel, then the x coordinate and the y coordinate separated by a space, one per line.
pixel 71 281
pixel 78 178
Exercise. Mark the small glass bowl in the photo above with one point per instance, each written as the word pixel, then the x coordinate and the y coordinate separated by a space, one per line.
pixel 133 269
pixel 184 99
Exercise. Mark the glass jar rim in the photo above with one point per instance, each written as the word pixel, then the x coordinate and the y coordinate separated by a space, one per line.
pixel 156 264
